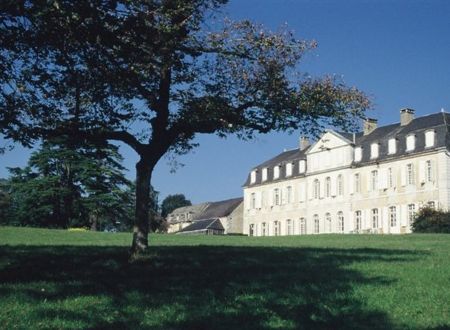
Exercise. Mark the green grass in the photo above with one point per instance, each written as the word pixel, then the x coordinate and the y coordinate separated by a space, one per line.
pixel 54 279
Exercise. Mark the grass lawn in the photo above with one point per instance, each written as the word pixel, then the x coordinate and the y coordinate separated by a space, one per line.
pixel 53 279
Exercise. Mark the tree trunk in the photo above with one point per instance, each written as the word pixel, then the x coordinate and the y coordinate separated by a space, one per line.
pixel 144 170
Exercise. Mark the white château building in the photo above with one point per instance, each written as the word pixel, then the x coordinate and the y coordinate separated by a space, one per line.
pixel 369 182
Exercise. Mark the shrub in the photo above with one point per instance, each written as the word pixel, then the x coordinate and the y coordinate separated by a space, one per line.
pixel 429 220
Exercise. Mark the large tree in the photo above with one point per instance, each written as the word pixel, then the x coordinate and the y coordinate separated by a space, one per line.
pixel 153 74
pixel 172 202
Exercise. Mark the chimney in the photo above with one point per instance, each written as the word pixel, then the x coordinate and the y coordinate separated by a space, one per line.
pixel 370 125
pixel 303 143
pixel 406 116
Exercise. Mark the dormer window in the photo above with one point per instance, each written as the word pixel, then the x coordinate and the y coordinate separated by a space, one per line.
pixel 276 172
pixel 410 142
pixel 392 146
pixel 253 176
pixel 429 139
pixel 288 169
pixel 302 166
pixel 374 150
pixel 358 154
pixel 264 174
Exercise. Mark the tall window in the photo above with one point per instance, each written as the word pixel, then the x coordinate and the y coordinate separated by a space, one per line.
pixel 340 221
pixel 263 229
pixel 429 139
pixel 288 227
pixel 328 222
pixel 409 174
pixel 276 228
pixel 358 220
pixel 374 218
pixel 357 182
pixel 358 154
pixel 393 216
pixel 276 196
pixel 253 177
pixel 288 194
pixel 251 230
pixel 411 213
pixel 276 172
pixel 410 142
pixel 340 185
pixel 428 171
pixel 392 146
pixel 316 189
pixel 302 226
pixel 374 150
pixel 253 200
pixel 328 187
pixel 390 177
pixel 374 180
pixel 288 169
pixel 264 174
pixel 316 224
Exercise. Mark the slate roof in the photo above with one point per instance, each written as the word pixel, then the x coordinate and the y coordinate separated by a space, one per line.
pixel 439 122
pixel 204 225
pixel 192 209
pixel 219 209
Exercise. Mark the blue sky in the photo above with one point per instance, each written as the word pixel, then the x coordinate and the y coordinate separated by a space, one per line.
pixel 396 51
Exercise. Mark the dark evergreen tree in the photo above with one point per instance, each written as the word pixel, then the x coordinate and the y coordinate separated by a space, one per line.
pixel 172 202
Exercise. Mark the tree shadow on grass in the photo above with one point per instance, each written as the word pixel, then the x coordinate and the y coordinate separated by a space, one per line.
pixel 194 287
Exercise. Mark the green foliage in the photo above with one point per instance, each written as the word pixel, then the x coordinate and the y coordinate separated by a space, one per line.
pixel 5 202
pixel 295 282
pixel 71 185
pixel 430 220
pixel 172 202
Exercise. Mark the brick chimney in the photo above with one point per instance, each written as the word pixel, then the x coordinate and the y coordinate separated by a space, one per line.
pixel 406 116
pixel 370 125
pixel 304 143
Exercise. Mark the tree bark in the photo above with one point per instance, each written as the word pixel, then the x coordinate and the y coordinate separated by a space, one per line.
pixel 144 169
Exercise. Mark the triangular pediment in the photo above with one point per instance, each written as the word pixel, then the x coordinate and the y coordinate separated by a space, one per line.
pixel 329 140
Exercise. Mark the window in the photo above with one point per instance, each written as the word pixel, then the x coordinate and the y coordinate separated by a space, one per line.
pixel 302 226
pixel 328 222
pixel 428 171
pixel 374 218
pixel 431 204
pixel 316 189
pixel 328 187
pixel 374 180
pixel 410 142
pixel 276 172
pixel 263 199
pixel 302 166
pixel 253 177
pixel 390 177
pixel 264 174
pixel 392 146
pixel 276 228
pixel 411 213
pixel 253 201
pixel 288 227
pixel 374 150
pixel 316 224
pixel 251 230
pixel 393 216
pixel 409 174
pixel 357 183
pixel 358 154
pixel 276 196
pixel 288 169
pixel 263 229
pixel 429 139
pixel 340 185
pixel 358 220
pixel 340 222
pixel 288 194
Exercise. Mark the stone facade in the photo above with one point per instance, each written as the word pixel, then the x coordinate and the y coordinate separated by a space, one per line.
pixel 369 182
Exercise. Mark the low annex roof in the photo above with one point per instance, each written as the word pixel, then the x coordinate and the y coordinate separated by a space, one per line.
pixel 219 209
pixel 203 225
pixel 439 122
